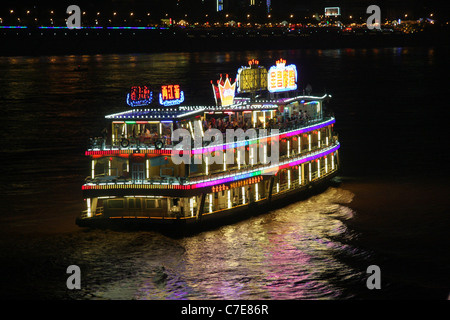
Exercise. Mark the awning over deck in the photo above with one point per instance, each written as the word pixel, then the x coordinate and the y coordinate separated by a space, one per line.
pixel 159 114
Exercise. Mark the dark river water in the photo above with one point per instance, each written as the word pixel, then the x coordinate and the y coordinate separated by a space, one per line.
pixel 391 208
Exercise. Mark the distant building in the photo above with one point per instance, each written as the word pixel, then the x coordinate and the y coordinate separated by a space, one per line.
pixel 390 9
pixel 332 11
pixel 219 6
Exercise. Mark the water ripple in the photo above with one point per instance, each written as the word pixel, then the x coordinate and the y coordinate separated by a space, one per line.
pixel 295 252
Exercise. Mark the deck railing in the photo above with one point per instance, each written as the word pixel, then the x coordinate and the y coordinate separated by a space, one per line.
pixel 101 143
pixel 212 175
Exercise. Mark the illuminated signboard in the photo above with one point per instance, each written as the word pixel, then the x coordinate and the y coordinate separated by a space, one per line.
pixel 171 95
pixel 227 91
pixel 224 91
pixel 252 78
pixel 238 184
pixel 332 11
pixel 139 96
pixel 282 77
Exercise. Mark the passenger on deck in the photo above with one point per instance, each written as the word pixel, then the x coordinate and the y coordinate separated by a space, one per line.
pixel 305 116
pixel 141 137
pixel 147 133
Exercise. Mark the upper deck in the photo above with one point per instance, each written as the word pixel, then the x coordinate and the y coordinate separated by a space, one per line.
pixel 149 130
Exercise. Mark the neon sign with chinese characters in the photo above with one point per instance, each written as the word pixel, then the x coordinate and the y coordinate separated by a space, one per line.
pixel 252 78
pixel 282 77
pixel 171 95
pixel 139 96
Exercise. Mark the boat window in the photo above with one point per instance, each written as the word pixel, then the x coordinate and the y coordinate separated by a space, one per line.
pixel 130 203
pixel 153 204
pixel 115 204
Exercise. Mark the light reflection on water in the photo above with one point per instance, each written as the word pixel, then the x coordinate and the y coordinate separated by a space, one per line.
pixel 290 253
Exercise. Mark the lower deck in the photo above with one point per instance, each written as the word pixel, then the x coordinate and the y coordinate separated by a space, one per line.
pixel 226 201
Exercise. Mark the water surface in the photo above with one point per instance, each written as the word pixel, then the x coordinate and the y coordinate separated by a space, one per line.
pixel 390 210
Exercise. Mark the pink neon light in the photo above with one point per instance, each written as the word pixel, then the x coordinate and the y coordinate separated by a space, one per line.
pixel 222 180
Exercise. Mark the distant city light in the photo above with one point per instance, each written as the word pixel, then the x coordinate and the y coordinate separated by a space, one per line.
pixel 27 15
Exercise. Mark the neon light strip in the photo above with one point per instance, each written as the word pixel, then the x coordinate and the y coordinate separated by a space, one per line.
pixel 136 28
pixel 310 158
pixel 13 27
pixel 289 100
pixel 226 180
pixel 164 151
pixel 265 171
pixel 307 129
pixel 248 142
pixel 43 27
pixel 168 151
pixel 112 186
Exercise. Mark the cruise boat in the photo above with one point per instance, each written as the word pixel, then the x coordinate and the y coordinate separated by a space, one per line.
pixel 171 165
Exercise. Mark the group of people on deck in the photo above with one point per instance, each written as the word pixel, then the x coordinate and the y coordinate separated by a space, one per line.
pixel 147 137
pixel 277 122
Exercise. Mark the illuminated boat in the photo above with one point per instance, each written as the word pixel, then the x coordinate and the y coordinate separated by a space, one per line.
pixel 280 144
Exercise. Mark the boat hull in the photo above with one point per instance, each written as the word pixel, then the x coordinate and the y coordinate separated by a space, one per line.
pixel 216 219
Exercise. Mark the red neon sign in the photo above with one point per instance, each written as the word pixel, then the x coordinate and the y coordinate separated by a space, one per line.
pixel 170 92
pixel 171 95
pixel 139 93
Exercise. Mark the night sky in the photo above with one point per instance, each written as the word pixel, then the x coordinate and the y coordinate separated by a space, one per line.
pixel 193 8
